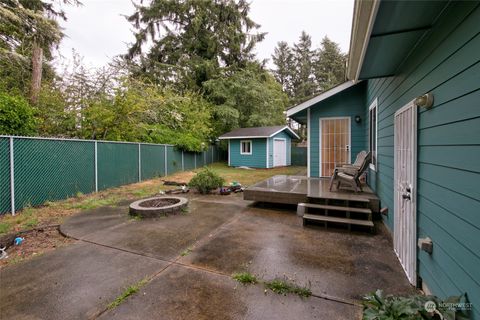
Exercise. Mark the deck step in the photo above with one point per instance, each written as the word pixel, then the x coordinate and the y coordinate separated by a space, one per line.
pixel 314 217
pixel 334 208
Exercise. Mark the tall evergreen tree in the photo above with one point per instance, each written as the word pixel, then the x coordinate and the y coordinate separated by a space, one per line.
pixel 192 39
pixel 329 66
pixel 303 78
pixel 28 31
pixel 284 71
pixel 304 72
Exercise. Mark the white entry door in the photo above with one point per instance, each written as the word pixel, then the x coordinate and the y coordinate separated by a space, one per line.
pixel 405 199
pixel 334 144
pixel 279 152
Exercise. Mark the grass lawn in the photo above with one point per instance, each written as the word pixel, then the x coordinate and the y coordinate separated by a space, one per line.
pixel 56 212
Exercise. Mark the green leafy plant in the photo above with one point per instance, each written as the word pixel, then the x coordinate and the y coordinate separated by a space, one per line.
pixel 245 278
pixel 376 306
pixel 206 180
pixel 282 286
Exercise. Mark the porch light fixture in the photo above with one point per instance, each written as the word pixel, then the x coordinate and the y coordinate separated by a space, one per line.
pixel 358 119
pixel 425 101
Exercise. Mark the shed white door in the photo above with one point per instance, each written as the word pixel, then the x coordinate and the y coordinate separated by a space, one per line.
pixel 405 165
pixel 279 152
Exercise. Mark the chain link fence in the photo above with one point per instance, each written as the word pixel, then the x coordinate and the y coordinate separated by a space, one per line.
pixel 36 170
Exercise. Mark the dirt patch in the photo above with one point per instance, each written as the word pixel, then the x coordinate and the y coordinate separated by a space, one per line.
pixel 35 243
pixel 158 203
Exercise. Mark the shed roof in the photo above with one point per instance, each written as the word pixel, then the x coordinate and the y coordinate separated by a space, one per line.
pixel 258 132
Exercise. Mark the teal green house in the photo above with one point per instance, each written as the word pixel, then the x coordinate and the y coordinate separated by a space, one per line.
pixel 260 147
pixel 413 101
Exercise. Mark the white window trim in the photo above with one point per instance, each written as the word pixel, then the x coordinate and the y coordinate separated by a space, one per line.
pixel 374 104
pixel 251 146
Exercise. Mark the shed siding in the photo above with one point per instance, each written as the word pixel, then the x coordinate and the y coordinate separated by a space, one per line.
pixel 446 63
pixel 282 135
pixel 257 159
pixel 348 103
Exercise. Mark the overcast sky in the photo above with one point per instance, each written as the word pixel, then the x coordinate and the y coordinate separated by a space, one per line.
pixel 98 31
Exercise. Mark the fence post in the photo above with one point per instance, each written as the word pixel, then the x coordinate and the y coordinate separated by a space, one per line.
pixel 12 178
pixel 212 156
pixel 183 165
pixel 139 163
pixel 166 161
pixel 195 159
pixel 96 167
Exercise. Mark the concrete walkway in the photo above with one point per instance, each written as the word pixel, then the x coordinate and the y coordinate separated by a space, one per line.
pixel 218 236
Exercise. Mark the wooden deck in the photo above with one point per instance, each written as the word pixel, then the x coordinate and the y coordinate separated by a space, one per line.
pixel 296 189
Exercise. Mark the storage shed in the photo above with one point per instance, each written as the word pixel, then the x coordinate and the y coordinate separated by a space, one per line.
pixel 260 147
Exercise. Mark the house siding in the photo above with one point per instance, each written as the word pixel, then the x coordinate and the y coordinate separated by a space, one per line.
pixel 447 64
pixel 257 159
pixel 348 103
pixel 281 135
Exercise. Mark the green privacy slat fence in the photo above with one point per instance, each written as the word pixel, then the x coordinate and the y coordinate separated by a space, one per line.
pixel 152 161
pixel 174 160
pixel 46 169
pixel 188 161
pixel 200 159
pixel 299 156
pixel 51 170
pixel 5 174
pixel 117 164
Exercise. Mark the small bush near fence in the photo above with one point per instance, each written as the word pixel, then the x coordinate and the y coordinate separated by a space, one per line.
pixel 36 170
pixel 206 180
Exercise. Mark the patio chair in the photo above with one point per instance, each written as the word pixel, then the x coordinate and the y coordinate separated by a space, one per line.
pixel 350 174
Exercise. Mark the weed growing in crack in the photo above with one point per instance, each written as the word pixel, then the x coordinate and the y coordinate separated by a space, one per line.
pixel 126 293
pixel 245 278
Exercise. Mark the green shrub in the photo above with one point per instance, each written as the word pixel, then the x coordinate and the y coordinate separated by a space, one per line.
pixel 16 116
pixel 376 306
pixel 206 180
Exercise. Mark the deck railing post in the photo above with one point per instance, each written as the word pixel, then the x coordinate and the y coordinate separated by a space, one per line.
pixel 12 178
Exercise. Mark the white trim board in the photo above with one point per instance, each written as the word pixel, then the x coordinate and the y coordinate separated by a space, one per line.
pixel 258 137
pixel 320 97
pixel 308 142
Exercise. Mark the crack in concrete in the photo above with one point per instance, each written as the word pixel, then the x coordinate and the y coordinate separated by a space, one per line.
pixel 176 262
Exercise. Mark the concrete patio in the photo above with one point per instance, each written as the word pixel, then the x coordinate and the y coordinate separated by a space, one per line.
pixel 225 235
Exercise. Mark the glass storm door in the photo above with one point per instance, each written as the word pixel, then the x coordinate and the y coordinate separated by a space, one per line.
pixel 334 144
